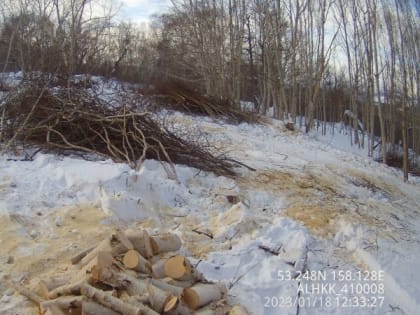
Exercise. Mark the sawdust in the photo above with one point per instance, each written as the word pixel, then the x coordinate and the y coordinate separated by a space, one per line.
pixel 36 251
pixel 314 199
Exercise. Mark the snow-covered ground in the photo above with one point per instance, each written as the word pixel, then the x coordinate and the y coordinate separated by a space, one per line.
pixel 316 229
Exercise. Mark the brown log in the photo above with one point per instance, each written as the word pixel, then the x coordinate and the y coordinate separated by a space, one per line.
pixel 141 242
pixel 167 242
pixel 178 267
pixel 134 260
pixel 93 308
pixel 160 300
pixel 202 294
pixel 238 310
pixel 64 303
pixel 114 303
pixel 78 257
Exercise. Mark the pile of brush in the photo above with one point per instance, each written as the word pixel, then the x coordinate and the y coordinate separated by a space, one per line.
pixel 179 96
pixel 73 120
pixel 131 273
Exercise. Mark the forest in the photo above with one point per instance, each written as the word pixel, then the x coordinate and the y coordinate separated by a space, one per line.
pixel 312 62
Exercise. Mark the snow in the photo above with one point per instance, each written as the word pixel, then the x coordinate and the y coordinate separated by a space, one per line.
pixel 315 203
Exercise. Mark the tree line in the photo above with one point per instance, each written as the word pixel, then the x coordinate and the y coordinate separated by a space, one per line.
pixel 310 61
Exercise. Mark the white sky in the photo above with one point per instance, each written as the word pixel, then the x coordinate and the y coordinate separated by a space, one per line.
pixel 140 10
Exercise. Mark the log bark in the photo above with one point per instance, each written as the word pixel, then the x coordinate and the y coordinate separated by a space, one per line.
pixel 158 269
pixel 114 303
pixel 121 280
pixel 134 260
pixel 67 289
pixel 178 283
pixel 64 303
pixel 93 308
pixel 165 243
pixel 177 291
pixel 202 294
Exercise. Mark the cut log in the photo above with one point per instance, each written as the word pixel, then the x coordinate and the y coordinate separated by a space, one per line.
pixel 202 294
pixel 160 300
pixel 93 308
pixel 165 243
pixel 141 242
pixel 78 257
pixel 134 260
pixel 114 303
pixel 170 304
pixel 177 291
pixel 158 269
pixel 64 303
pixel 238 310
pixel 179 268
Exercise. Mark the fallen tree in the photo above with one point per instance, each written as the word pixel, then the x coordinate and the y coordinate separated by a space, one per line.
pixel 73 120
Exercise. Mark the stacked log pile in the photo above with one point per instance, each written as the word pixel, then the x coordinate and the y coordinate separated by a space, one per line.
pixel 131 273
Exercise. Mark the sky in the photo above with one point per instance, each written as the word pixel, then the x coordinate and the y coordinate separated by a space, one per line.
pixel 140 10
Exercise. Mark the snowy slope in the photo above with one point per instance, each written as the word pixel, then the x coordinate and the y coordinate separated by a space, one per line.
pixel 314 230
